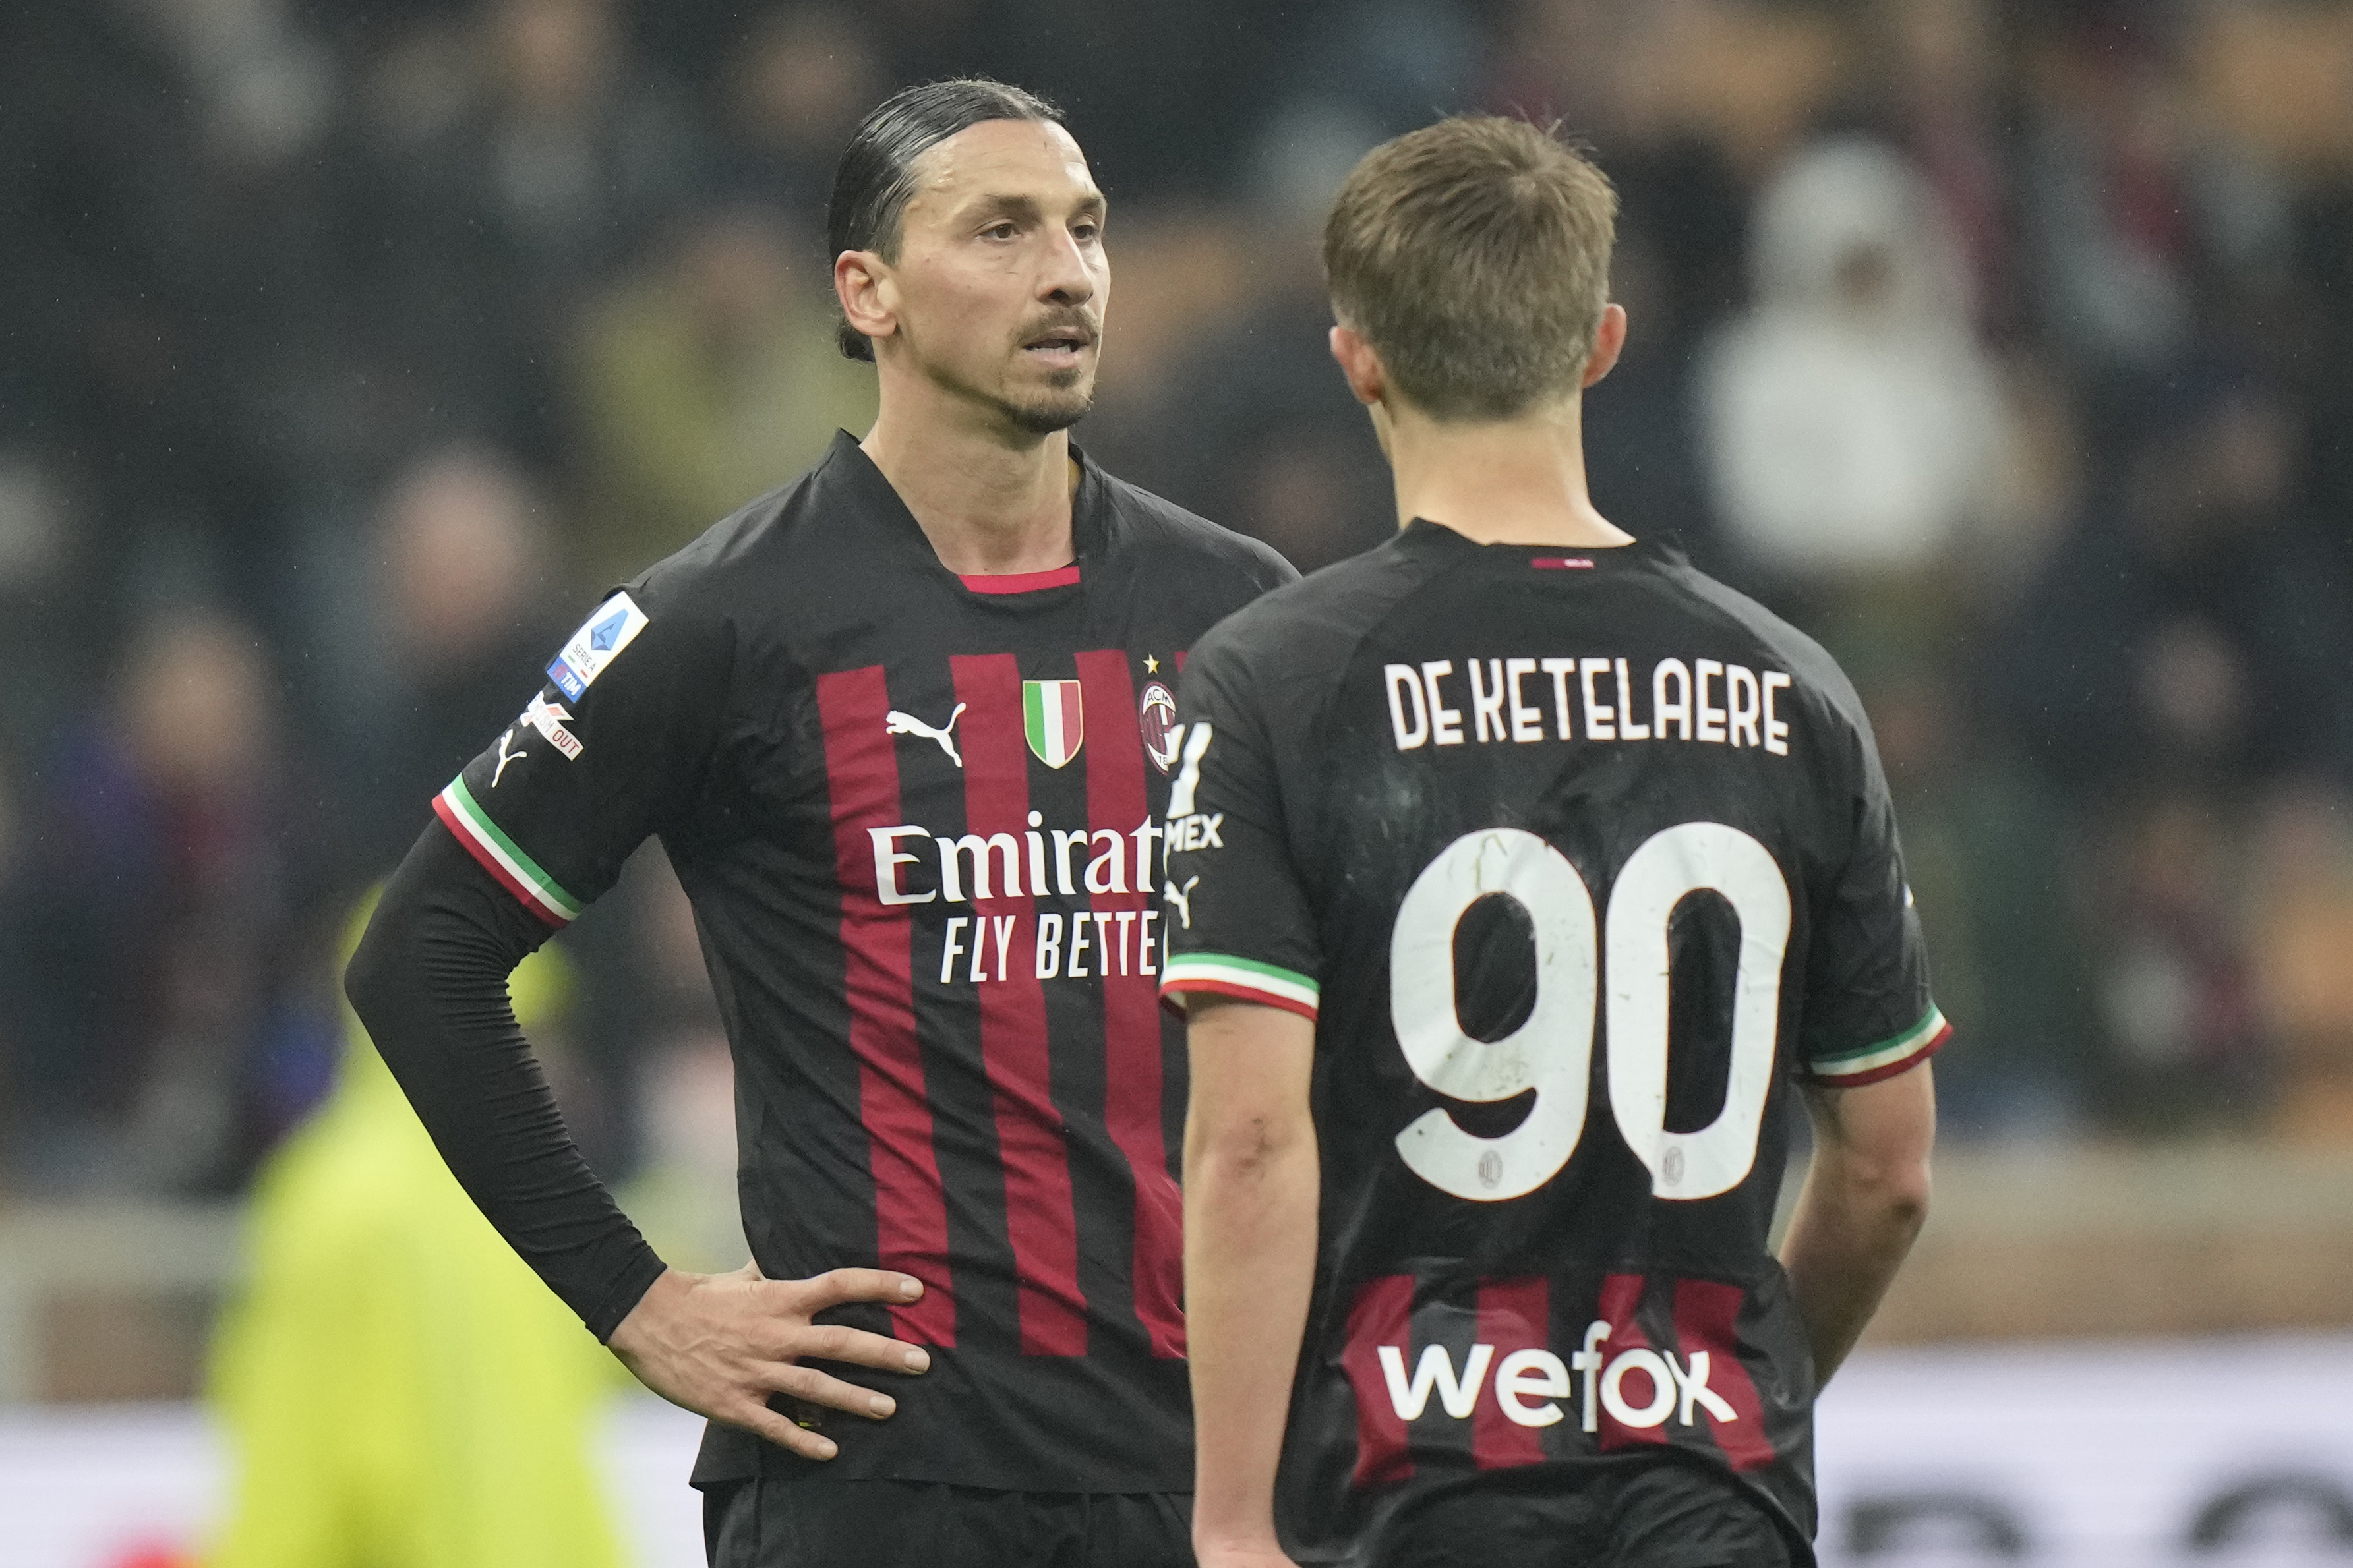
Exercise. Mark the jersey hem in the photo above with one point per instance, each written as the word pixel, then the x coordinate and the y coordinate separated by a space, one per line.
pixel 502 858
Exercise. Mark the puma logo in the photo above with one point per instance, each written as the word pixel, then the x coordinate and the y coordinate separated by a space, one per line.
pixel 505 757
pixel 1181 897
pixel 897 723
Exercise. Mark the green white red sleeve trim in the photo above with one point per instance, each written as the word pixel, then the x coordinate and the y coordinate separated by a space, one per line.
pixel 502 858
pixel 1246 978
pixel 1869 1064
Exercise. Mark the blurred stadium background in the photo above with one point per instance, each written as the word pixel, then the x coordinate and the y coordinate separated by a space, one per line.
pixel 348 350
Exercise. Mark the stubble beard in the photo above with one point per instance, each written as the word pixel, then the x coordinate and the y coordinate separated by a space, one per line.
pixel 1058 408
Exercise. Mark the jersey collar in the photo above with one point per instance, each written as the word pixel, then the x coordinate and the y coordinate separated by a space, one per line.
pixel 899 534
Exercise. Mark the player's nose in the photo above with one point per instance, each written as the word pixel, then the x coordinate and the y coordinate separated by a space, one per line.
pixel 1066 279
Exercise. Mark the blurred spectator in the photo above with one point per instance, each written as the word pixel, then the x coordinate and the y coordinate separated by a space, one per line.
pixel 152 936
pixel 792 94
pixel 1944 106
pixel 519 164
pixel 396 1386
pixel 470 609
pixel 1987 848
pixel 706 383
pixel 2204 633
pixel 1853 429
pixel 2301 932
pixel 1254 427
pixel 2184 1048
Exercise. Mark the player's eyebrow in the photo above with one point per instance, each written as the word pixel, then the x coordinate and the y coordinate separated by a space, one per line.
pixel 994 207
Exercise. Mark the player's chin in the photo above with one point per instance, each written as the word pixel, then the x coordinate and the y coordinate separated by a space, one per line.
pixel 1052 408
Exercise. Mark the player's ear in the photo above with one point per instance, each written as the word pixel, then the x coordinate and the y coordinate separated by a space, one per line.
pixel 869 301
pixel 1359 364
pixel 1608 342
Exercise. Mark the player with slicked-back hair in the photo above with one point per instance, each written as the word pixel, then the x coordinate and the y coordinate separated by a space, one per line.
pixel 1533 878
pixel 903 727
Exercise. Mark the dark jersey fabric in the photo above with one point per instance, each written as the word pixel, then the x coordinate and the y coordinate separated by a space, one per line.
pixel 1579 859
pixel 919 825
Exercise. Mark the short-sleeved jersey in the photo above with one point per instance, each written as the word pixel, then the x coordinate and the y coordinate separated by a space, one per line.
pixel 1579 859
pixel 918 818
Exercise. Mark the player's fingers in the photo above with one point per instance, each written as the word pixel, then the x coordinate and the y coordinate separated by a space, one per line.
pixel 836 1342
pixel 755 1416
pixel 818 1388
pixel 840 1285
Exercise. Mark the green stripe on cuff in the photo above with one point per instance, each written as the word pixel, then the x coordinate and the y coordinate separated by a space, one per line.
pixel 526 870
pixel 1272 978
pixel 1893 1048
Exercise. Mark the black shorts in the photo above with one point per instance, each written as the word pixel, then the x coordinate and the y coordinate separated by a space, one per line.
pixel 807 1523
pixel 1658 1516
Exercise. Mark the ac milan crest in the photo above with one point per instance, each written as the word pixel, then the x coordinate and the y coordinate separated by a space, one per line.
pixel 1156 716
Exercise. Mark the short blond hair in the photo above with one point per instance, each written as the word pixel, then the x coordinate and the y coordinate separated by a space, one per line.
pixel 1474 254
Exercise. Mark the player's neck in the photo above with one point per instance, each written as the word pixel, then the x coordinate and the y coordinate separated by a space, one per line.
pixel 1512 482
pixel 991 499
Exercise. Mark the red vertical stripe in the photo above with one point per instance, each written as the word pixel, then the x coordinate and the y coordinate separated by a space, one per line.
pixel 1513 1315
pixel 1132 1038
pixel 1706 1314
pixel 1621 1298
pixel 1038 1217
pixel 911 1223
pixel 1381 1315
pixel 1074 717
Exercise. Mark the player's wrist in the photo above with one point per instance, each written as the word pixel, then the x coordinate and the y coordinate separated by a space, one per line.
pixel 637 1332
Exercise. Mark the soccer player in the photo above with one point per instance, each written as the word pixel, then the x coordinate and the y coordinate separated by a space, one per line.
pixel 904 729
pixel 1524 874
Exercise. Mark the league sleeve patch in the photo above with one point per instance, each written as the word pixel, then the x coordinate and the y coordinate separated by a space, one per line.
pixel 597 644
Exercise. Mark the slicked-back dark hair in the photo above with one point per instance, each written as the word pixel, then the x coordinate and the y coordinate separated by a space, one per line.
pixel 877 172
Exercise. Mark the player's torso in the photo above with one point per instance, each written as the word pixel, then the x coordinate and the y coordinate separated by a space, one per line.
pixel 925 878
pixel 1563 823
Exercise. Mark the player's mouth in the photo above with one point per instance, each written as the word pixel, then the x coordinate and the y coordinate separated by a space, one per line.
pixel 1060 348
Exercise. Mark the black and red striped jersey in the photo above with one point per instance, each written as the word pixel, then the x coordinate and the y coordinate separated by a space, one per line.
pixel 1579 860
pixel 919 818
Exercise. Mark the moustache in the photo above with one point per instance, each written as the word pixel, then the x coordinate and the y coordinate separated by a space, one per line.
pixel 1085 325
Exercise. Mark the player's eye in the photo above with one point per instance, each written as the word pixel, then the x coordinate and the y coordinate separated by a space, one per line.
pixel 1004 228
pixel 1088 232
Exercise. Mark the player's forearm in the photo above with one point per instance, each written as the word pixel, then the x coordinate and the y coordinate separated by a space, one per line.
pixel 1249 1258
pixel 1855 1221
pixel 429 983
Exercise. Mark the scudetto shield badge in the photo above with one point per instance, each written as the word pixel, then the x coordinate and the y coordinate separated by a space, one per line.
pixel 1052 720
pixel 1156 716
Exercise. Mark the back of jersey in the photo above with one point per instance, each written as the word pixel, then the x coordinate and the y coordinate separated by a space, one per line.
pixel 1579 860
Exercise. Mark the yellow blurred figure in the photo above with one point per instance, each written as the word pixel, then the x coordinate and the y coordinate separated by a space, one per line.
pixel 398 1389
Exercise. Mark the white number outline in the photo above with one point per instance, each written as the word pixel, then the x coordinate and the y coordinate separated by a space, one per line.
pixel 1552 1051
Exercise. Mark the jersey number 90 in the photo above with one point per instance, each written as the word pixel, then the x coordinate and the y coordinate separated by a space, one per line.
pixel 1552 1052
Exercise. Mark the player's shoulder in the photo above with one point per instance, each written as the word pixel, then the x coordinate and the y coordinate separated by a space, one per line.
pixel 1812 670
pixel 1166 536
pixel 762 557
pixel 1309 629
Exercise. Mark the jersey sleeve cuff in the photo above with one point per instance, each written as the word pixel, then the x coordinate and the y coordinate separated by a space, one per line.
pixel 502 858
pixel 1884 1059
pixel 1245 978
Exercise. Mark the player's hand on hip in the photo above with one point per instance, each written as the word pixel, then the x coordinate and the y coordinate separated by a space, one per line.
pixel 719 1344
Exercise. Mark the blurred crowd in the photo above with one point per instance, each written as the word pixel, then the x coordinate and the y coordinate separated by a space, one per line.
pixel 351 350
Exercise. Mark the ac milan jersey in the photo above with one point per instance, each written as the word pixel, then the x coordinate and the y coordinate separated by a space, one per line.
pixel 919 820
pixel 1577 859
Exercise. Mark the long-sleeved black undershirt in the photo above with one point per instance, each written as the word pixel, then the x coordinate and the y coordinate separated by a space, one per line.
pixel 429 983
